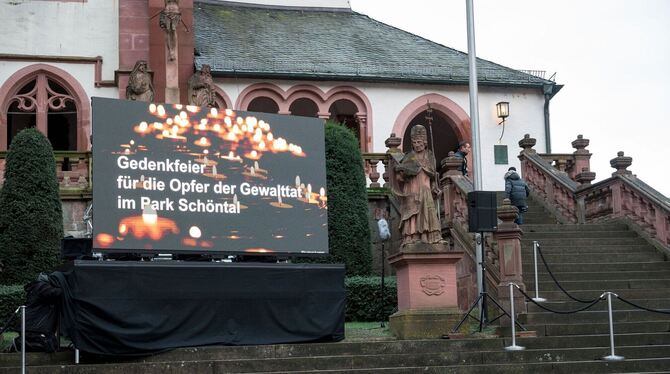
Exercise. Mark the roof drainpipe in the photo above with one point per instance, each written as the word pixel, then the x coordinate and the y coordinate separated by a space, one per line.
pixel 548 94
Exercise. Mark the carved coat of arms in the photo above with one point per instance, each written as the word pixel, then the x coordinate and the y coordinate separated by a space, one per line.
pixel 433 285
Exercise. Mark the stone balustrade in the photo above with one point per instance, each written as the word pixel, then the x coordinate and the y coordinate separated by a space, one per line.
pixel 571 196
pixel 73 170
pixel 549 184
pixel 626 198
pixel 375 166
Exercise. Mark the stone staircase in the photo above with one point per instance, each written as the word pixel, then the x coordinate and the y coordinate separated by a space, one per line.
pixel 586 259
pixel 547 355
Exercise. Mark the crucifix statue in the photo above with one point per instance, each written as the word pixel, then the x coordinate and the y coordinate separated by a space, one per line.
pixel 169 19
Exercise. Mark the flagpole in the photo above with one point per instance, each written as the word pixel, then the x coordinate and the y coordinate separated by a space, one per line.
pixel 476 150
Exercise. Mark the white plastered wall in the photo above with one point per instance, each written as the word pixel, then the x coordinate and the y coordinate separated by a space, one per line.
pixel 388 100
pixel 62 28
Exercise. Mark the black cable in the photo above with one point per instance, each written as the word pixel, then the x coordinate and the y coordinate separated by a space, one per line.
pixel 558 284
pixel 642 307
pixel 594 302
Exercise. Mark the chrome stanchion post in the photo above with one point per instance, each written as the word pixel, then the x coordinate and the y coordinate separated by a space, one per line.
pixel 612 356
pixel 537 297
pixel 76 356
pixel 23 339
pixel 513 347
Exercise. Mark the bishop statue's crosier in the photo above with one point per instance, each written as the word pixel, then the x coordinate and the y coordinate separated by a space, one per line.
pixel 414 185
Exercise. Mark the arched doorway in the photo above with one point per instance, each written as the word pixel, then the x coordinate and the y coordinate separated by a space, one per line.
pixel 450 124
pixel 440 134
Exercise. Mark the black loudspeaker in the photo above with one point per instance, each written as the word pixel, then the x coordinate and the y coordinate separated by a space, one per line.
pixel 482 211
pixel 75 248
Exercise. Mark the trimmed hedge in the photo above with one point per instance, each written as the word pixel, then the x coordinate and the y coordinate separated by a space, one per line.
pixel 31 216
pixel 348 230
pixel 11 297
pixel 364 295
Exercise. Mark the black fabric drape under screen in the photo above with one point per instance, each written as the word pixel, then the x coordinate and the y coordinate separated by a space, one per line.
pixel 134 308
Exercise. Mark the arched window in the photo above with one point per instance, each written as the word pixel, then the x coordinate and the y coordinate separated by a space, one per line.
pixel 263 104
pixel 304 107
pixel 42 101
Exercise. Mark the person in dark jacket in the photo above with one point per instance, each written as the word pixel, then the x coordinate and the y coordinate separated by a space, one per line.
pixel 517 191
pixel 462 151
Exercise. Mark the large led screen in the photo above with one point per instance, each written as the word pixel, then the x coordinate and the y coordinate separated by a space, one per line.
pixel 175 178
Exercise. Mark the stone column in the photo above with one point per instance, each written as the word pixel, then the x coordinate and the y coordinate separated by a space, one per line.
pixel 508 237
pixel 582 157
pixel 451 166
pixel 363 130
pixel 527 144
pixel 620 163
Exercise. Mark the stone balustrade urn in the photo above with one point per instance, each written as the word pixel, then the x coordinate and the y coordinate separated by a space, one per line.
pixel 620 163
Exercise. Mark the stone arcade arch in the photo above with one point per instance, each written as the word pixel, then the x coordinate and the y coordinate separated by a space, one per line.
pixel 299 98
pixel 46 91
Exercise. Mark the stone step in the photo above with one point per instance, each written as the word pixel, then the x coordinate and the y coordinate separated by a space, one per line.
pixel 606 285
pixel 527 246
pixel 660 304
pixel 531 228
pixel 580 351
pixel 539 236
pixel 629 294
pixel 595 266
pixel 592 316
pixel 540 215
pixel 594 328
pixel 552 259
pixel 527 250
pixel 543 276
pixel 539 219
pixel 594 365
pixel 595 340
pixel 567 242
pixel 214 353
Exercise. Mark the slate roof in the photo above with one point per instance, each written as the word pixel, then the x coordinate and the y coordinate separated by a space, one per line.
pixel 246 41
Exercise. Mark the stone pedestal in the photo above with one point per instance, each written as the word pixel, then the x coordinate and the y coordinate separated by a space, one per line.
pixel 508 237
pixel 427 292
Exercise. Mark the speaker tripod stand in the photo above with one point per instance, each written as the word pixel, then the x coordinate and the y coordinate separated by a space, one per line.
pixel 483 298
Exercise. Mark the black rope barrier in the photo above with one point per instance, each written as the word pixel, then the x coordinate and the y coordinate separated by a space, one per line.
pixel 558 284
pixel 528 298
pixel 642 307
